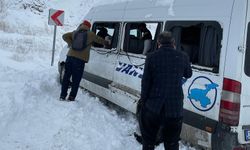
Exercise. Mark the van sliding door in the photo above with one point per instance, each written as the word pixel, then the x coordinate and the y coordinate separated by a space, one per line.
pixel 129 66
pixel 99 70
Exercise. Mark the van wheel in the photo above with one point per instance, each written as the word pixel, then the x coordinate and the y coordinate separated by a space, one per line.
pixel 61 72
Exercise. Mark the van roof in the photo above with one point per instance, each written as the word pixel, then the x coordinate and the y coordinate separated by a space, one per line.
pixel 153 10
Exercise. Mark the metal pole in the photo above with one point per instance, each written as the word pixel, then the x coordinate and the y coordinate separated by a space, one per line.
pixel 54 45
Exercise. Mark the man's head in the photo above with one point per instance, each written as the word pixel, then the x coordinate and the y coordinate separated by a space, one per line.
pixel 85 25
pixel 104 30
pixel 165 38
pixel 142 26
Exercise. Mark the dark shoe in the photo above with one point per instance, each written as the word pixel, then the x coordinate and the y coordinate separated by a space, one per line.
pixel 138 137
pixel 71 98
pixel 62 98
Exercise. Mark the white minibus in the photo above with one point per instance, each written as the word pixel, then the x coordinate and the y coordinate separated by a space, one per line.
pixel 216 36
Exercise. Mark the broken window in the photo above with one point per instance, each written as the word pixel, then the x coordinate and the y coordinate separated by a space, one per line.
pixel 108 31
pixel 201 40
pixel 140 37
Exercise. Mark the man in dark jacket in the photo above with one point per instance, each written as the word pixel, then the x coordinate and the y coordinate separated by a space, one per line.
pixel 76 60
pixel 162 95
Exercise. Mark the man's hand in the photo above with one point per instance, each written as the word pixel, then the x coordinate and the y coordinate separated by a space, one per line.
pixel 108 41
pixel 107 44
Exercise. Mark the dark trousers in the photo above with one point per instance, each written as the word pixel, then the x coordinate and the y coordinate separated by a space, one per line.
pixel 151 124
pixel 74 68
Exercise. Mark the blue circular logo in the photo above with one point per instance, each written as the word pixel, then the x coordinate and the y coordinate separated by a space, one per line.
pixel 202 93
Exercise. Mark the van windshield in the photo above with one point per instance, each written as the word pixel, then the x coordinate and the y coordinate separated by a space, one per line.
pixel 247 56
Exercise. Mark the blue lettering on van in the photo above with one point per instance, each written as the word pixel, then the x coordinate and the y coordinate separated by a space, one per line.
pixel 120 66
pixel 129 69
pixel 201 95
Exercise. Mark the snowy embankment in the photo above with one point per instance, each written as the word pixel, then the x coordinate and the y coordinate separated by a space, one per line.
pixel 31 116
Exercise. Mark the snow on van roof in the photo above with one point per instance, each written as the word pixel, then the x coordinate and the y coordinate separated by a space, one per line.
pixel 164 2
pixel 169 3
pixel 151 10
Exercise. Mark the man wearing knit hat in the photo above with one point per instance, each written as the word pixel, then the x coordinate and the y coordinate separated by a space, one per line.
pixel 76 60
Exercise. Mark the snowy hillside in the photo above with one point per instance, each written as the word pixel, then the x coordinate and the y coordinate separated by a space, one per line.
pixel 31 116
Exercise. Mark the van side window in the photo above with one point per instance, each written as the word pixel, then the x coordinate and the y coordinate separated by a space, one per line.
pixel 201 40
pixel 247 55
pixel 108 31
pixel 140 37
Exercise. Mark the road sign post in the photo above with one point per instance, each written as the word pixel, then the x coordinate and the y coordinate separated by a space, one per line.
pixel 54 46
pixel 56 18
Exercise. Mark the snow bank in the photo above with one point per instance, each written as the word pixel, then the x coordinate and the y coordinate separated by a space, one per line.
pixel 33 118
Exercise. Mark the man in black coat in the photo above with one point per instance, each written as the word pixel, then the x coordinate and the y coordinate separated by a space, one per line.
pixel 162 94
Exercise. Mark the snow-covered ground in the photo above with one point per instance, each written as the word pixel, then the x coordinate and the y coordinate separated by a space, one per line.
pixel 31 117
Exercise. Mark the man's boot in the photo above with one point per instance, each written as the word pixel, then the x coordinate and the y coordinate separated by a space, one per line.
pixel 71 98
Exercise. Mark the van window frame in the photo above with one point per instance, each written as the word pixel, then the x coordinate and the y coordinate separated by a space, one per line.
pixel 247 53
pixel 115 32
pixel 215 25
pixel 123 41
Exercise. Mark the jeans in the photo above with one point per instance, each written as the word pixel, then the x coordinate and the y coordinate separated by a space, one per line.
pixel 152 123
pixel 74 68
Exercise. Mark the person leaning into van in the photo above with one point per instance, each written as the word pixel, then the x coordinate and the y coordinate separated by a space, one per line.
pixel 146 37
pixel 103 33
pixel 162 95
pixel 79 42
